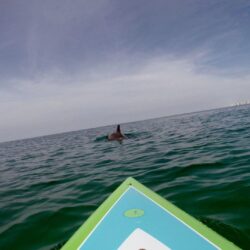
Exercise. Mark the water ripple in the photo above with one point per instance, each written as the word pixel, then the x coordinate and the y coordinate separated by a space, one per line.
pixel 200 162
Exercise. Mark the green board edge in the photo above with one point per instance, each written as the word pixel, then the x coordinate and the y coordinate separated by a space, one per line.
pixel 82 233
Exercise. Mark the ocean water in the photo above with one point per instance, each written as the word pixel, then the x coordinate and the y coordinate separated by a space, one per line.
pixel 200 162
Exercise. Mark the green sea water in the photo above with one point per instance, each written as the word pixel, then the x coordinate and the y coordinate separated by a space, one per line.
pixel 200 162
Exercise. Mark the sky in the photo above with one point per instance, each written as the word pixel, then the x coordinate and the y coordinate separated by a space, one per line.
pixel 68 65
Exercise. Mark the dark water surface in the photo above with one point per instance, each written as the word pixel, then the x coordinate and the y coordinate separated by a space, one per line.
pixel 200 162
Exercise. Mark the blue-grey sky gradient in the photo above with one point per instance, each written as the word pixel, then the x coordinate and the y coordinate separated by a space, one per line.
pixel 68 65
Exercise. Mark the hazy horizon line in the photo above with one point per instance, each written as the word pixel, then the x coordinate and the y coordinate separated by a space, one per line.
pixel 122 123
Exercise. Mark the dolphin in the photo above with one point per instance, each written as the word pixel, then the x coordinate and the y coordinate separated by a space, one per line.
pixel 118 136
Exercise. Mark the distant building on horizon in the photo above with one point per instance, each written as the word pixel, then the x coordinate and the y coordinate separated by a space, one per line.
pixel 241 103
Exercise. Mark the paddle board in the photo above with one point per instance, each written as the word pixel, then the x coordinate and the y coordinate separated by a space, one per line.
pixel 136 218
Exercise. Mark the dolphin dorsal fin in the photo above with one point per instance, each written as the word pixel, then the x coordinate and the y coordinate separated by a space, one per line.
pixel 118 129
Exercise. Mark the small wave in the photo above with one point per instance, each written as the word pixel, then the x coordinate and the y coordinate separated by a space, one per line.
pixel 58 246
pixel 237 236
pixel 58 153
pixel 136 135
pixel 101 138
pixel 198 167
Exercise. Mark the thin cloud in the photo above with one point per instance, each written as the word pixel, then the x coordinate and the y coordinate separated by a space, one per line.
pixel 42 34
pixel 161 87
pixel 66 66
